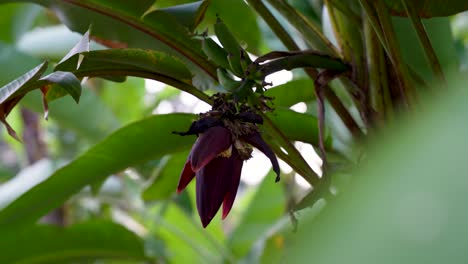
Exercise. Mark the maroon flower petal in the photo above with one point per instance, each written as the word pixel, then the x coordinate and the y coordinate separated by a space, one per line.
pixel 186 176
pixel 257 141
pixel 214 141
pixel 212 185
pixel 235 174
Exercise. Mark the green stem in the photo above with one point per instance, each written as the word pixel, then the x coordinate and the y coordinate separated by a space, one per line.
pixel 425 41
pixel 310 32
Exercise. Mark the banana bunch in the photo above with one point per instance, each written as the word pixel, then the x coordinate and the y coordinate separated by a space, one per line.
pixel 231 60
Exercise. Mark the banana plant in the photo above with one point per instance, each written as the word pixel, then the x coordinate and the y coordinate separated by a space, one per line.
pixel 357 66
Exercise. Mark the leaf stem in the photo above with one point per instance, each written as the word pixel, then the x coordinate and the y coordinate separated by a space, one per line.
pixel 310 32
pixel 284 36
pixel 425 41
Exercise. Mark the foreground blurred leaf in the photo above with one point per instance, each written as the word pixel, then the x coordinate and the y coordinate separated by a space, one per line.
pixel 407 204
pixel 265 208
pixel 85 241
pixel 134 144
pixel 429 8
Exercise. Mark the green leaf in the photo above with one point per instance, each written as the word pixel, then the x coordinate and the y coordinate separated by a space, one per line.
pixel 85 241
pixel 296 126
pixel 167 178
pixel 265 208
pixel 162 32
pixel 22 85
pixel 134 62
pixel 134 144
pixel 429 8
pixel 292 92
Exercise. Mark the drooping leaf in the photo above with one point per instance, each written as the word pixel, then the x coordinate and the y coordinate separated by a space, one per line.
pixel 138 142
pixel 89 241
pixel 162 32
pixel 429 8
pixel 132 62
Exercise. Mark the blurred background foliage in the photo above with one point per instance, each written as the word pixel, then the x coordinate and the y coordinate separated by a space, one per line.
pixel 405 205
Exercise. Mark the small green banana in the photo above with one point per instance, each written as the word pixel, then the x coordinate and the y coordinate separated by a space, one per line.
pixel 226 38
pixel 226 80
pixel 244 90
pixel 215 53
pixel 231 45
pixel 245 60
pixel 235 65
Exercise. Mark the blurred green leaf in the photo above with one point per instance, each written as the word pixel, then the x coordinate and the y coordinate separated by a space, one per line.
pixel 165 183
pixel 134 144
pixel 265 208
pixel 85 241
pixel 429 8
pixel 186 239
pixel 90 119
pixel 127 99
pixel 407 203
pixel 16 19
pixel 37 42
pixel 292 92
